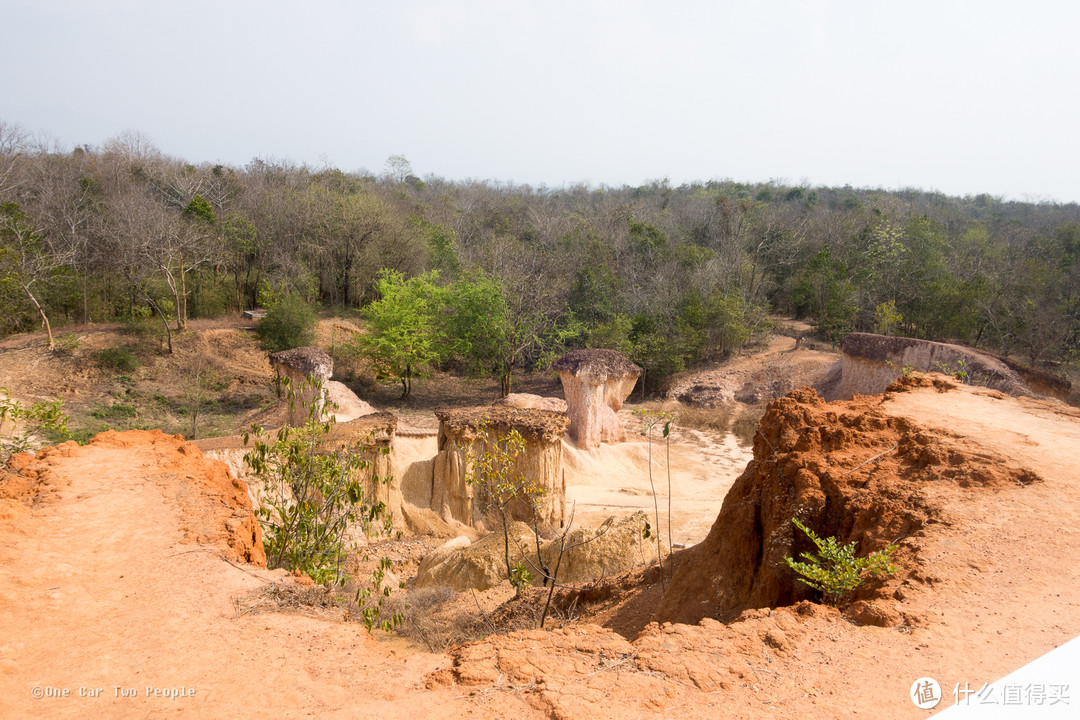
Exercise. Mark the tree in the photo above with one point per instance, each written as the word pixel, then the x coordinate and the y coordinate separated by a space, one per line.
pixel 289 323
pixel 398 168
pixel 26 258
pixel 13 142
pixel 403 338
pixel 474 324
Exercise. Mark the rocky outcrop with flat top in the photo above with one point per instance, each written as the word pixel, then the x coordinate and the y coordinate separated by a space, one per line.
pixel 298 365
pixel 596 383
pixel 464 433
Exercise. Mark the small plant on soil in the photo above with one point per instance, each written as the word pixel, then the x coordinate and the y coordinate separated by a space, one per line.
pixel 501 489
pixel 652 418
pixel 836 570
pixel 45 418
pixel 315 497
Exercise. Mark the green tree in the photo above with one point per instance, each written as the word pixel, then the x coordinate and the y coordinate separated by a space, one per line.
pixel 289 323
pixel 403 338
pixel 886 318
pixel 475 324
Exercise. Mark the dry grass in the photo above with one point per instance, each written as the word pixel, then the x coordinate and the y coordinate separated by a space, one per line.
pixel 312 600
pixel 712 419
pixel 740 420
pixel 746 424
pixel 438 617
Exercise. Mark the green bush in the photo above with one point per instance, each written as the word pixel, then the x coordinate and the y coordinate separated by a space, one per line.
pixel 120 359
pixel 289 323
pixel 837 570
pixel 45 418
pixel 315 497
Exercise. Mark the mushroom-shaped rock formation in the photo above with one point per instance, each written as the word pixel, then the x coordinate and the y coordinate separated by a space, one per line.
pixel 299 364
pixel 596 382
pixel 464 433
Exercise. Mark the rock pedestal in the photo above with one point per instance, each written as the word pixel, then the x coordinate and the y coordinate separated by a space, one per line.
pixel 595 383
pixel 298 365
pixel 464 434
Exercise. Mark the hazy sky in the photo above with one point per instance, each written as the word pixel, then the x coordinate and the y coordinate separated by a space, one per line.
pixel 962 97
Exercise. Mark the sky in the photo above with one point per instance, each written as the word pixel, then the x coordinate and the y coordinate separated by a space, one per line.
pixel 953 96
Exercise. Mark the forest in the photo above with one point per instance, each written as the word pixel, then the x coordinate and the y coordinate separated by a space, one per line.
pixel 488 278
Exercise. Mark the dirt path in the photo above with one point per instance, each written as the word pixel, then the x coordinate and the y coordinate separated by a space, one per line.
pixel 99 590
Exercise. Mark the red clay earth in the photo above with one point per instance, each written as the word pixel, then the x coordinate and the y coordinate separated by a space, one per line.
pixel 113 576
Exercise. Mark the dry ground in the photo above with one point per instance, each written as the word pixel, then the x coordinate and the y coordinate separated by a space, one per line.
pixel 99 590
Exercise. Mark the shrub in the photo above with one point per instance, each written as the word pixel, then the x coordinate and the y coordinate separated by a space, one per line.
pixel 501 489
pixel 67 344
pixel 120 359
pixel 289 323
pixel 42 418
pixel 837 570
pixel 315 497
pixel 116 411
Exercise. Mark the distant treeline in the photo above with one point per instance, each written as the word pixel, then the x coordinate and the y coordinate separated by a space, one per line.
pixel 671 275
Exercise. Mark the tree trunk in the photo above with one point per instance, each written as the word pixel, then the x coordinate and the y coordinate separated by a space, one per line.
pixel 181 312
pixel 175 293
pixel 164 320
pixel 44 317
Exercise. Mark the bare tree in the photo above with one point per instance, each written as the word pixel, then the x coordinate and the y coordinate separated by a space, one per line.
pixel 28 259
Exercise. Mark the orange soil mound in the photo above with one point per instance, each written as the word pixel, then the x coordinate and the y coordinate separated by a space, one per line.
pixel 215 507
pixel 575 672
pixel 845 469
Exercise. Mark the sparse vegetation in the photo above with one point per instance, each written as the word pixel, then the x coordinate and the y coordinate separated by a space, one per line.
pixel 316 497
pixel 652 419
pixel 835 570
pixel 21 424
pixel 289 323
pixel 502 489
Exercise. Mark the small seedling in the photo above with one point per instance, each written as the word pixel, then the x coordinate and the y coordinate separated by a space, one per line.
pixel 836 570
